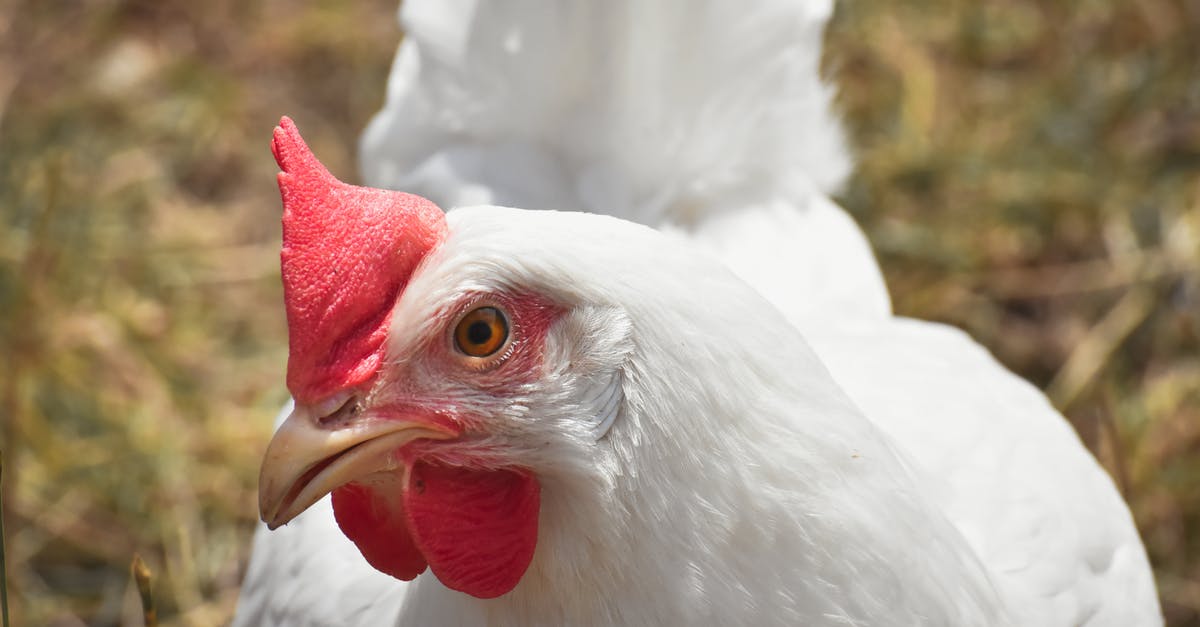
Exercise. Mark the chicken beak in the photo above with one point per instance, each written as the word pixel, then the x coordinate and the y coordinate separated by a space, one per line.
pixel 307 460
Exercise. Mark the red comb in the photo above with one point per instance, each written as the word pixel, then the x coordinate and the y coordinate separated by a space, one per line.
pixel 348 252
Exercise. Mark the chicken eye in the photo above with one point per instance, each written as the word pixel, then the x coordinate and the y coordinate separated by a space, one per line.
pixel 482 332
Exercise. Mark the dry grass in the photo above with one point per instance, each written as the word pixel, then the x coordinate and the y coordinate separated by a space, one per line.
pixel 143 338
pixel 1029 172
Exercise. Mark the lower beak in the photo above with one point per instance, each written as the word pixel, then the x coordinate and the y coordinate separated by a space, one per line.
pixel 307 460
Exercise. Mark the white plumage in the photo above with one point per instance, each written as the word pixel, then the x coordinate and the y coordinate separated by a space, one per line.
pixel 894 474
pixel 709 117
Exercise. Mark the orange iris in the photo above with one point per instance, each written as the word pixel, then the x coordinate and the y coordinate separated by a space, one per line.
pixel 482 332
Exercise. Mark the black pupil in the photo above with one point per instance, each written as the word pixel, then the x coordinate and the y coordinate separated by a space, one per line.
pixel 479 332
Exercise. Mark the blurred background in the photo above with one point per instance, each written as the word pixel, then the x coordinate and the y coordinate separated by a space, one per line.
pixel 1028 171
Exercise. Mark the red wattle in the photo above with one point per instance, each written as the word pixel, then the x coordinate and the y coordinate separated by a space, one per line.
pixel 374 520
pixel 476 528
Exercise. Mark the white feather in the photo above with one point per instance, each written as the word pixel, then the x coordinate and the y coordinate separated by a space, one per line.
pixel 634 109
pixel 1009 472
pixel 707 116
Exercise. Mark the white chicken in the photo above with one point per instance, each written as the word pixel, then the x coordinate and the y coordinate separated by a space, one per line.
pixel 564 418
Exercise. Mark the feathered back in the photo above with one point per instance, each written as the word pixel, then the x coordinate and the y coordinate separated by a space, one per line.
pixel 655 111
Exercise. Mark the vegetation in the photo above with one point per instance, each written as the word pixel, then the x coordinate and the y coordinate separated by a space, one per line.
pixel 1030 171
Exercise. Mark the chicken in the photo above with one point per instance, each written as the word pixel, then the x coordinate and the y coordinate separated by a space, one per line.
pixel 698 424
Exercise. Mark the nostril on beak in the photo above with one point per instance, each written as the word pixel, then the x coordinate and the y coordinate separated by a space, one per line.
pixel 337 410
pixel 344 414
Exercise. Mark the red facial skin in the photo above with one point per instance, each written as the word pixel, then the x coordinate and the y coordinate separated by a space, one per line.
pixel 475 526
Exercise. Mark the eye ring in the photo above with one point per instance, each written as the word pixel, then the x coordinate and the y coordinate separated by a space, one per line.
pixel 482 332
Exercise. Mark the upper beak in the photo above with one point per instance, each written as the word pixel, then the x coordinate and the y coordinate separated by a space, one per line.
pixel 306 459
